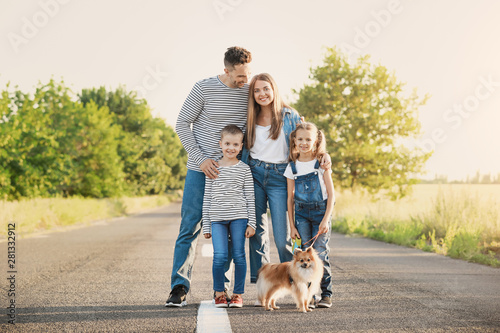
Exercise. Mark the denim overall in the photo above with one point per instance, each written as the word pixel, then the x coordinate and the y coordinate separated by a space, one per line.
pixel 310 209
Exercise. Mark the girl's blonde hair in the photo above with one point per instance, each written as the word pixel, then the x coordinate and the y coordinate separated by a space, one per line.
pixel 319 147
pixel 254 110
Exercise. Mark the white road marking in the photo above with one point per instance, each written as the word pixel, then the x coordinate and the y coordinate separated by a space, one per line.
pixel 207 250
pixel 212 319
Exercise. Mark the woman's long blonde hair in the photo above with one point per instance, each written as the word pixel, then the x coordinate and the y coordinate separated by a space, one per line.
pixel 254 110
pixel 319 147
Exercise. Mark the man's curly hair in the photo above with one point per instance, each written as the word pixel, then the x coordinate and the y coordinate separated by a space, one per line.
pixel 236 56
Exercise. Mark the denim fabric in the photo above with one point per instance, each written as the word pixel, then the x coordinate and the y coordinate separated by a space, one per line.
pixel 290 120
pixel 307 187
pixel 307 220
pixel 220 232
pixel 270 188
pixel 310 209
pixel 185 246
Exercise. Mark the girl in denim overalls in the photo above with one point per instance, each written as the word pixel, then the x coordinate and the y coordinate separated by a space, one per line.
pixel 311 198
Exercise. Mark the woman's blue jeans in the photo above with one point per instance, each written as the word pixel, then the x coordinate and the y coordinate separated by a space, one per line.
pixel 220 234
pixel 270 188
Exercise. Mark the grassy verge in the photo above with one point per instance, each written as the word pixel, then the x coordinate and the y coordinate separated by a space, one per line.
pixel 38 215
pixel 458 221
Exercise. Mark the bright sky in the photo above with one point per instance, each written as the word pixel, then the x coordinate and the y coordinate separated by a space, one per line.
pixel 449 49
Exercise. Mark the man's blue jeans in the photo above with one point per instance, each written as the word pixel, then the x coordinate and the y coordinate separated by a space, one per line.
pixel 185 246
pixel 270 187
pixel 220 235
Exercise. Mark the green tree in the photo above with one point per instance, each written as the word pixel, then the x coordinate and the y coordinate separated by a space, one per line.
pixel 153 157
pixel 51 145
pixel 366 117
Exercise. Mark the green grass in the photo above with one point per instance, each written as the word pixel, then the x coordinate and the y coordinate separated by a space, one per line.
pixel 36 215
pixel 461 221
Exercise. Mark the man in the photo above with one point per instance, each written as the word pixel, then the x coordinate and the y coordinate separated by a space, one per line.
pixel 212 104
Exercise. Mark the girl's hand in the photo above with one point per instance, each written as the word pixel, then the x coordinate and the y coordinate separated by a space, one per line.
pixel 323 227
pixel 249 232
pixel 294 233
pixel 326 162
pixel 207 236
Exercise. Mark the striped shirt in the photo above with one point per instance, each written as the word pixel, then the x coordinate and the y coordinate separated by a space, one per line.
pixel 229 197
pixel 209 107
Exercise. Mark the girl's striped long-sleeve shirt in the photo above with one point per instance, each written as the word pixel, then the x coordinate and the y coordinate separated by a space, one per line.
pixel 229 197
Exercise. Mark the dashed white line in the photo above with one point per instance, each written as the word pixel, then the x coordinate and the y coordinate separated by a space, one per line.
pixel 207 250
pixel 212 319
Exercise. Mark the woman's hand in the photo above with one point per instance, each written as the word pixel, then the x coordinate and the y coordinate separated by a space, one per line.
pixel 249 232
pixel 326 162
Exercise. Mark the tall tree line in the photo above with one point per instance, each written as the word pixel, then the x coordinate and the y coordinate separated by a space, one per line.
pixel 97 144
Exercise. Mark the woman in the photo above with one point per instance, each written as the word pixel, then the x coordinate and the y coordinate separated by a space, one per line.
pixel 269 124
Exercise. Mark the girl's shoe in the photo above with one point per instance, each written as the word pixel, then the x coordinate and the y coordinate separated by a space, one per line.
pixel 221 301
pixel 236 302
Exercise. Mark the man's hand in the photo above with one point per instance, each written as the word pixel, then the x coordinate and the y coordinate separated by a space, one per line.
pixel 209 168
pixel 207 236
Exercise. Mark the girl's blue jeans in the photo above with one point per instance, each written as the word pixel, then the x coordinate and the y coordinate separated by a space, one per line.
pixel 308 217
pixel 220 234
pixel 270 188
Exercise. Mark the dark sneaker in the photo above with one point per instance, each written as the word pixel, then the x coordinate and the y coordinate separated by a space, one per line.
pixel 312 303
pixel 221 302
pixel 177 297
pixel 325 302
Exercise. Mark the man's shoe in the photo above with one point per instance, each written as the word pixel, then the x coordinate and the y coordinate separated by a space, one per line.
pixel 177 297
pixel 221 302
pixel 326 302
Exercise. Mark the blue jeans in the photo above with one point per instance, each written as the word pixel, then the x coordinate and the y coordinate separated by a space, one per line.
pixel 220 233
pixel 307 220
pixel 270 188
pixel 185 246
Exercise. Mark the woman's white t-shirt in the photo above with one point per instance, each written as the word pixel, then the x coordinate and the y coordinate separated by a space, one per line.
pixel 267 149
pixel 303 168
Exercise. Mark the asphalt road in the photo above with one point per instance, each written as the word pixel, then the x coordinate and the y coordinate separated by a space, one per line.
pixel 115 277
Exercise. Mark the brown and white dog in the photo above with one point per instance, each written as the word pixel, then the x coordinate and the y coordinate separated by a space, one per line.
pixel 300 277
